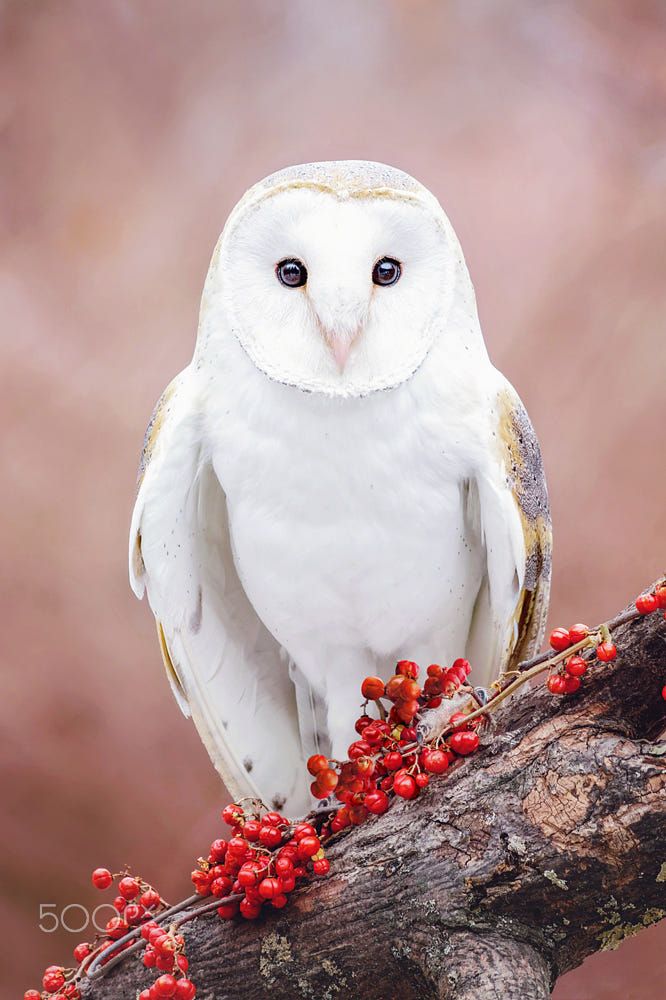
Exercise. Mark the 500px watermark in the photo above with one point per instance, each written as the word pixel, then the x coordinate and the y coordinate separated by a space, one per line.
pixel 74 917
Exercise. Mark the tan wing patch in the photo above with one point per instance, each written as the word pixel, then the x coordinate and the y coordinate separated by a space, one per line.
pixel 526 479
pixel 155 424
pixel 171 672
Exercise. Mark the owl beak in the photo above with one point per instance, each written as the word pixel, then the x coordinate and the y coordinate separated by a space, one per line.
pixel 341 348
pixel 341 345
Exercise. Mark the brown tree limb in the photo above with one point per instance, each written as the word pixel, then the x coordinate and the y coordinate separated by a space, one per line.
pixel 546 846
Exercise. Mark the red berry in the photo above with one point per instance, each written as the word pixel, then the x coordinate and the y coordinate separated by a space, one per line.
pixel 576 666
pixel 560 638
pixel 663 693
pixel 407 668
pixel 556 684
pixel 646 604
pixel 317 791
pixel 249 875
pixel 405 786
pixel 218 848
pixel 165 986
pixel 53 979
pixel 227 911
pixel 321 867
pixel 317 763
pixel 270 887
pixel 149 958
pixel 119 903
pixel 270 836
pixel 150 899
pixel 407 710
pixel 578 632
pixel 288 882
pixel 82 951
pixel 249 910
pixel 115 928
pixel 393 760
pixel 376 802
pixel 32 995
pixel 372 688
pixel 409 690
pixel 304 830
pixel 434 670
pixel 393 687
pixel 284 866
pixel 462 668
pixel 422 780
pixel 432 687
pixel 185 990
pixel 102 878
pixel 232 813
pixel 660 594
pixel 308 846
pixel 237 847
pixel 435 761
pixel 464 742
pixel 182 963
pixel 571 684
pixel 221 886
pixel 129 887
pixel 327 779
pixel 201 881
pixel 133 913
pixel 164 963
pixel 606 651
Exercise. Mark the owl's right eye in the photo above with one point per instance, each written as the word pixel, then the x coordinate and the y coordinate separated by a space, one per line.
pixel 292 272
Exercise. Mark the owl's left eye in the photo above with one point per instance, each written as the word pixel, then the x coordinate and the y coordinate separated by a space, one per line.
pixel 386 271
pixel 292 272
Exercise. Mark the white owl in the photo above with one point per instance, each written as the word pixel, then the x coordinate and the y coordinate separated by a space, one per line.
pixel 338 480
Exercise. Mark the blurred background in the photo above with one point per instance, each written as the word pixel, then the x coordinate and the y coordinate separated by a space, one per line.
pixel 127 132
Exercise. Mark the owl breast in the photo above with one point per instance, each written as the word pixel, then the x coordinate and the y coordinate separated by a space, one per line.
pixel 347 519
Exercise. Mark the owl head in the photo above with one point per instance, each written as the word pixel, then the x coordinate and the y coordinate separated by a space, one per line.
pixel 337 278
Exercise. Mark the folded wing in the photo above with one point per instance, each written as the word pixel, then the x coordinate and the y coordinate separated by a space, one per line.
pixel 225 668
pixel 508 506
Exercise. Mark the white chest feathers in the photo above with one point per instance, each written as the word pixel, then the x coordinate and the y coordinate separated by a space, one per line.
pixel 347 521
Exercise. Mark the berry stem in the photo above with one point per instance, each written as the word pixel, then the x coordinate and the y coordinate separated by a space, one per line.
pixel 207 908
pixel 96 969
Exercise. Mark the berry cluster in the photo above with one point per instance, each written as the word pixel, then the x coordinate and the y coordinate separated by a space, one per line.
pixel 386 759
pixel 566 678
pixel 261 863
pixel 137 904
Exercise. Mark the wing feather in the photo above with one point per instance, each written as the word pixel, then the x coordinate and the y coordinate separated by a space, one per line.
pixel 225 668
pixel 509 503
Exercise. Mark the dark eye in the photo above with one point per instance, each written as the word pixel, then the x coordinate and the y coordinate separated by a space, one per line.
pixel 292 273
pixel 386 271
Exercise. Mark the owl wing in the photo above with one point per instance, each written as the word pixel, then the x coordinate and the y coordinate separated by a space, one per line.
pixel 507 504
pixel 225 668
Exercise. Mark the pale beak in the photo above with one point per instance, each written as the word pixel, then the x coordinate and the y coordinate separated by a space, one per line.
pixel 341 348
pixel 341 345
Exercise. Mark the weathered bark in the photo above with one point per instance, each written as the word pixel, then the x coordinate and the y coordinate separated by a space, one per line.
pixel 548 845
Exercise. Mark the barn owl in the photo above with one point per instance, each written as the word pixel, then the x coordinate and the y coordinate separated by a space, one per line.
pixel 339 479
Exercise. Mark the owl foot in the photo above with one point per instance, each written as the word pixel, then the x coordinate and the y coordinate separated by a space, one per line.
pixel 434 721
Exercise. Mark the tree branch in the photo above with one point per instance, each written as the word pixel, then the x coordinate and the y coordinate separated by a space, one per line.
pixel 547 845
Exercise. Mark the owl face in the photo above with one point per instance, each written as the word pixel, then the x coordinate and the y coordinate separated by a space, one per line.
pixel 334 289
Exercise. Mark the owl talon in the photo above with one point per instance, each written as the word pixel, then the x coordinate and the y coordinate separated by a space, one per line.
pixel 434 721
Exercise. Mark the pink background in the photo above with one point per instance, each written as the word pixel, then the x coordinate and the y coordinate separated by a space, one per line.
pixel 128 130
